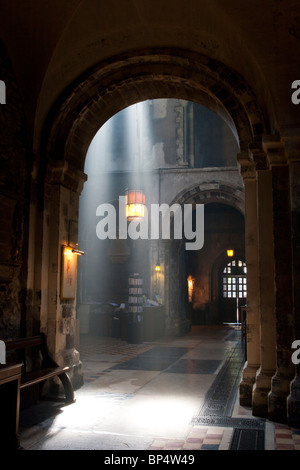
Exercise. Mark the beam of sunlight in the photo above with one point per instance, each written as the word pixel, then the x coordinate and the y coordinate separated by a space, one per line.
pixel 136 416
pixel 161 411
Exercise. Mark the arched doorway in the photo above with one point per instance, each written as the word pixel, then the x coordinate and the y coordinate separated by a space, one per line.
pixel 67 141
pixel 151 143
pixel 71 126
pixel 233 290
pixel 224 227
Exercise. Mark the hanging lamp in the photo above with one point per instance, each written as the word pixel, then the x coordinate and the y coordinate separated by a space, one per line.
pixel 135 204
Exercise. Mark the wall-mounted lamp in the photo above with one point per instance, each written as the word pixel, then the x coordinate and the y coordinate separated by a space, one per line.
pixel 69 250
pixel 76 251
pixel 157 268
pixel 230 253
pixel 68 273
pixel 191 282
pixel 135 204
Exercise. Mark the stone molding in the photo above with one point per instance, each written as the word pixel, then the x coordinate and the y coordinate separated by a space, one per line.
pixel 61 172
pixel 122 81
pixel 275 149
pixel 258 156
pixel 247 166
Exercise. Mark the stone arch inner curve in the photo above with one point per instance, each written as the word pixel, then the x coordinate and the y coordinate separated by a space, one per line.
pixel 124 80
pixel 212 192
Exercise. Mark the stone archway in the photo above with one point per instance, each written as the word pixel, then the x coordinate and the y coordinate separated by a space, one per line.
pixel 72 124
pixel 163 73
pixel 217 192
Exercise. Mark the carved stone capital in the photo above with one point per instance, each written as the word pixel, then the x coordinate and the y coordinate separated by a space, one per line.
pixel 274 147
pixel 246 165
pixel 55 171
pixel 292 147
pixel 258 156
pixel 61 172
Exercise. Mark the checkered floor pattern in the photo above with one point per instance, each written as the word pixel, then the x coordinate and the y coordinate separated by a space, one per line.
pixel 286 438
pixel 212 438
pixel 200 438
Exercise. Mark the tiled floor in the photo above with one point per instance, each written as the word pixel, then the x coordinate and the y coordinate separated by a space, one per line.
pixel 199 438
pixel 286 438
pixel 145 397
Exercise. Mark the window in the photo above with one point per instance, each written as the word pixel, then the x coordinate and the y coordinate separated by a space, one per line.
pixel 234 280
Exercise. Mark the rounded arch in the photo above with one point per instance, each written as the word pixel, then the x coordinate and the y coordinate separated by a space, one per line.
pixel 212 258
pixel 212 192
pixel 222 261
pixel 127 79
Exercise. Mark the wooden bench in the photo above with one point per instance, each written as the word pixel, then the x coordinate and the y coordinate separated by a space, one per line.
pixel 47 367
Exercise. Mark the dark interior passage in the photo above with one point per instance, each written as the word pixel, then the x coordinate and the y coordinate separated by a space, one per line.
pixel 224 229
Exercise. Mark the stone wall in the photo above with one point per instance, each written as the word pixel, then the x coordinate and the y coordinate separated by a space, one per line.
pixel 14 202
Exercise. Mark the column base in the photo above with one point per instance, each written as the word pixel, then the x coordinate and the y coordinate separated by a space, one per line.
pixel 76 375
pixel 277 399
pixel 246 385
pixel 55 388
pixel 260 392
pixel 293 404
pixel 71 358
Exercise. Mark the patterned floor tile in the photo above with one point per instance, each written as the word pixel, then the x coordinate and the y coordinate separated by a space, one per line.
pixel 286 438
pixel 199 438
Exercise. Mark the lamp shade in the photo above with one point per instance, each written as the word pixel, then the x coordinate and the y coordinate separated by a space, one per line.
pixel 135 204
pixel 230 253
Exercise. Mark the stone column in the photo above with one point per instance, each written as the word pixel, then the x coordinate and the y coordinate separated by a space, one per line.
pixel 175 319
pixel 292 145
pixel 157 257
pixel 267 368
pixel 58 316
pixel 181 135
pixel 247 169
pixel 285 369
pixel 191 140
pixel 33 300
